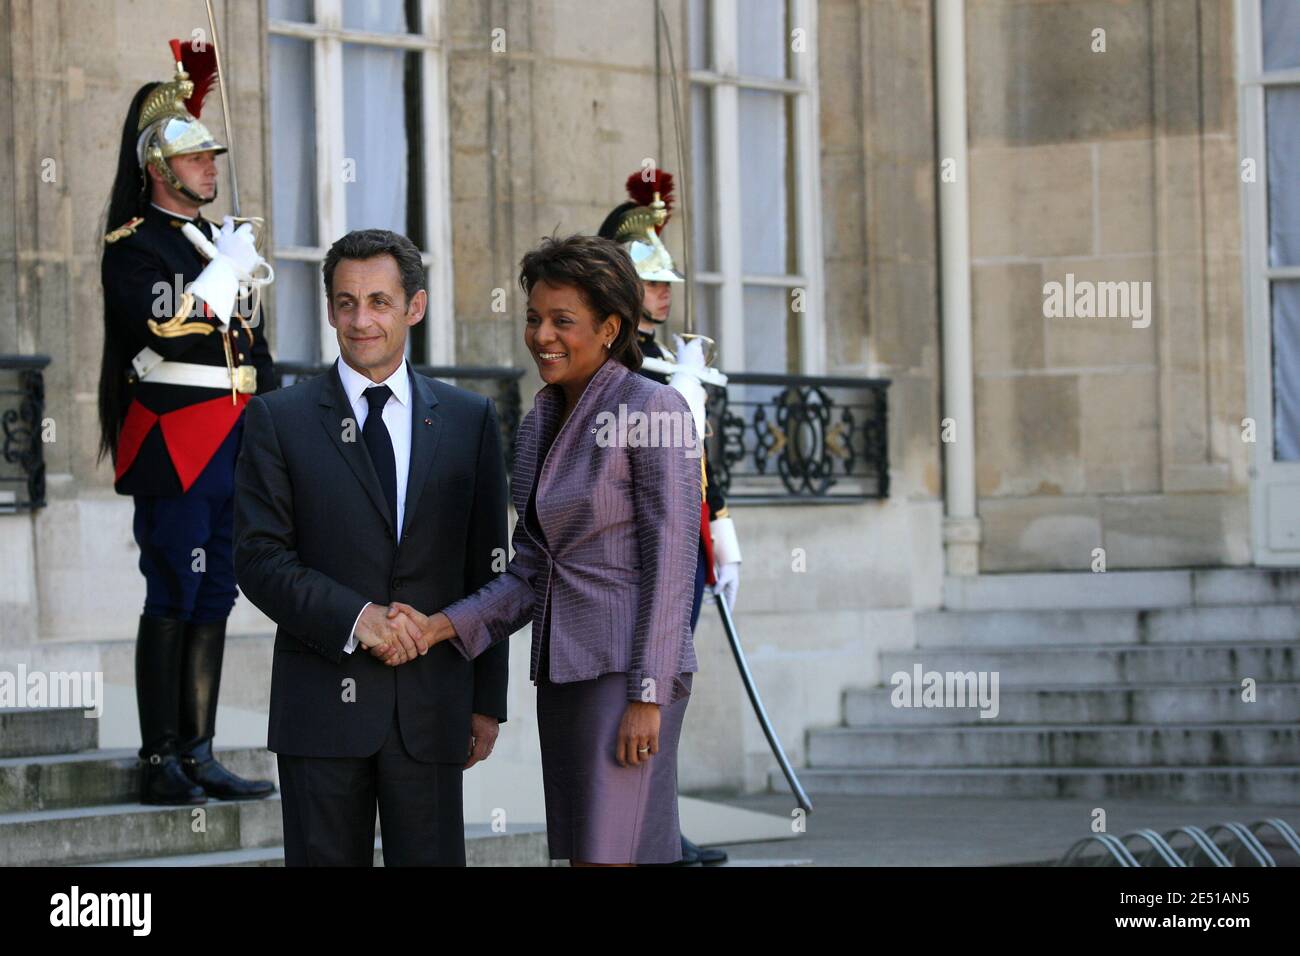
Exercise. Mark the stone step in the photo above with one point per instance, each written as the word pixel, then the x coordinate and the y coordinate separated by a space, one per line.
pixel 99 777
pixel 237 833
pixel 1118 664
pixel 246 664
pixel 1123 589
pixel 1257 624
pixel 1075 746
pixel 524 845
pixel 1268 785
pixel 25 732
pixel 1072 704
pixel 76 835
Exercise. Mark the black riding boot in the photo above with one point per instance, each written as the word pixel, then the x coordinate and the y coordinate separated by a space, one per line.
pixel 205 642
pixel 158 653
pixel 693 854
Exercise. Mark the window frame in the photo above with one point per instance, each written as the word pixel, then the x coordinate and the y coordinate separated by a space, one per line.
pixel 1268 474
pixel 327 35
pixel 724 82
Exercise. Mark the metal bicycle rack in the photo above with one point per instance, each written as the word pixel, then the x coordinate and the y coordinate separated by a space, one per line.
pixel 1222 845
pixel 1116 853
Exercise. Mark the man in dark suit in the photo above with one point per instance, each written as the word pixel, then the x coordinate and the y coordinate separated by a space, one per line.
pixel 369 484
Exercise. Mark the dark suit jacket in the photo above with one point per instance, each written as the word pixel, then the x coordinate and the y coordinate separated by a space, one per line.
pixel 314 542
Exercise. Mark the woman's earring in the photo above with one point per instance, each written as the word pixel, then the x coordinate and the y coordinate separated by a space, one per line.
pixel 606 345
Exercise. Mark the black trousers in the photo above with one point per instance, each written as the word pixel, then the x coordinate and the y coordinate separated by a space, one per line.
pixel 328 804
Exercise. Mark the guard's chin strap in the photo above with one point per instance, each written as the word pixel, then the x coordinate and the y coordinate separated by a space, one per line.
pixel 174 182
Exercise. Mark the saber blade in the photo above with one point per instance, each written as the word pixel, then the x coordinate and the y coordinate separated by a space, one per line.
pixel 729 626
pixel 225 110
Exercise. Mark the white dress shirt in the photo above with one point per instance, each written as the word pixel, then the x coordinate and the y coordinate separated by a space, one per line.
pixel 397 419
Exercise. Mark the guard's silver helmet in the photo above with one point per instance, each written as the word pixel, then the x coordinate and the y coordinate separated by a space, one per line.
pixel 169 124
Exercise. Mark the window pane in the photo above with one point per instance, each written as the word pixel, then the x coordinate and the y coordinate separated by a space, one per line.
pixel 1282 118
pixel 704 226
pixel 768 342
pixel 299 10
pixel 298 297
pixel 763 38
pixel 764 197
pixel 700 39
pixel 293 142
pixel 706 317
pixel 382 16
pixel 382 140
pixel 1281 30
pixel 1286 371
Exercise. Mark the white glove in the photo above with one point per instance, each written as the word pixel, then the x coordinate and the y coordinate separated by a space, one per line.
pixel 240 245
pixel 689 354
pixel 236 258
pixel 728 583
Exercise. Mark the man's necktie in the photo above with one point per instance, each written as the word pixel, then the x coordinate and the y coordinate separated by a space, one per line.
pixel 380 445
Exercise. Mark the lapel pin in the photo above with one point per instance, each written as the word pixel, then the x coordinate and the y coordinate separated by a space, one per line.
pixel 428 421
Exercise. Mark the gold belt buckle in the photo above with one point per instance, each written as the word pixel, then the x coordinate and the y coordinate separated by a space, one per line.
pixel 246 379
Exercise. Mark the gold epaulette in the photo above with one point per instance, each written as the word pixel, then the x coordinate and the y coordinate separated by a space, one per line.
pixel 121 232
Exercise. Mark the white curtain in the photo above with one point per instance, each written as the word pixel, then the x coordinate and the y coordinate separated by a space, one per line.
pixel 1282 119
pixel 374 138
pixel 293 212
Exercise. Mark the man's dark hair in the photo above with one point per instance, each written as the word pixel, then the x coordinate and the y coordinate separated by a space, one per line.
pixel 368 243
pixel 602 273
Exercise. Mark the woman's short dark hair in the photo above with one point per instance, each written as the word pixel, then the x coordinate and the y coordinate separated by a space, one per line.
pixel 368 243
pixel 602 273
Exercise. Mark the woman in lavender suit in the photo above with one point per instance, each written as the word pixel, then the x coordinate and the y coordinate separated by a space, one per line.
pixel 607 486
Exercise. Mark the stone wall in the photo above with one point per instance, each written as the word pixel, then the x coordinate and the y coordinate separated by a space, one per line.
pixel 1091 433
pixel 1108 166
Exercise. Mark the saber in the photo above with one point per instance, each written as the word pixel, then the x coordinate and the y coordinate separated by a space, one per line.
pixel 729 626
pixel 225 110
pixel 683 180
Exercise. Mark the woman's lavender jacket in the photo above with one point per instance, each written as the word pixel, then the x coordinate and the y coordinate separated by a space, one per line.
pixel 620 521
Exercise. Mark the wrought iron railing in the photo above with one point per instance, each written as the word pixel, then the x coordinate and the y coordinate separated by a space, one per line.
pixel 22 412
pixel 501 384
pixel 800 438
pixel 774 438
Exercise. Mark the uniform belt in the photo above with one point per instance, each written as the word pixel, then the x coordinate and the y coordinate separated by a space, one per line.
pixel 202 376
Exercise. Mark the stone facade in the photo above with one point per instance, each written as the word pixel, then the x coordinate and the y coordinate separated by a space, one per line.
pixel 1091 433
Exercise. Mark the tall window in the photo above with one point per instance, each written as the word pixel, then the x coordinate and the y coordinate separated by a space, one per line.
pixel 358 141
pixel 1268 65
pixel 1281 80
pixel 754 188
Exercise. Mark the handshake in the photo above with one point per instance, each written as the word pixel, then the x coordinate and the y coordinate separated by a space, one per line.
pixel 399 633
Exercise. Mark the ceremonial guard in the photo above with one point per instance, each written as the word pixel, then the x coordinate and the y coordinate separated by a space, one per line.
pixel 637 224
pixel 184 349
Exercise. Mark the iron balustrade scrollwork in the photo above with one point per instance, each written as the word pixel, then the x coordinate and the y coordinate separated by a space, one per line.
pixel 807 438
pixel 22 413
pixel 498 383
pixel 774 438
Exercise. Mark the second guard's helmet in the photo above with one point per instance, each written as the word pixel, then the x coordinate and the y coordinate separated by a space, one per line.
pixel 637 224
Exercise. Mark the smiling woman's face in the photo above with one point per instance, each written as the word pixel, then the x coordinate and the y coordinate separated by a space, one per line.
pixel 567 342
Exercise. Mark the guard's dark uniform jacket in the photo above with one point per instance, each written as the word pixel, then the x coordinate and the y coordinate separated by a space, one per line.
pixel 171 432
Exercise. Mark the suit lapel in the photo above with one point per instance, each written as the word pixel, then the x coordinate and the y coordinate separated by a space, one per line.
pixel 334 411
pixel 555 441
pixel 426 429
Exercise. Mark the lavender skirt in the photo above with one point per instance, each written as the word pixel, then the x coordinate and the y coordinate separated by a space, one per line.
pixel 597 811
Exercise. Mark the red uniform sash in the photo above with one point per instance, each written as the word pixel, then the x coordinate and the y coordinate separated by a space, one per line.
pixel 191 434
